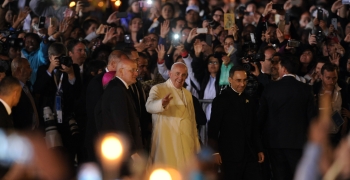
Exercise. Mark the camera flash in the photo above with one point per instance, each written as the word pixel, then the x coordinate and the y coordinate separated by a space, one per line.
pixel 149 1
pixel 176 36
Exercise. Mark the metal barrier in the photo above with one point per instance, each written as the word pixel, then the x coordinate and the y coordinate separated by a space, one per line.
pixel 205 100
pixel 203 134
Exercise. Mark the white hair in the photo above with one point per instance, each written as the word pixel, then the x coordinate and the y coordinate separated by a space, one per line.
pixel 176 64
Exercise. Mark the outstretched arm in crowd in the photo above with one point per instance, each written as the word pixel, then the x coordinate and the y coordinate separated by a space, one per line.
pixel 42 8
pixel 162 69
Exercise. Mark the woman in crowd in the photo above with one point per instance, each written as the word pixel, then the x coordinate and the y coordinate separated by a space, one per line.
pixel 167 13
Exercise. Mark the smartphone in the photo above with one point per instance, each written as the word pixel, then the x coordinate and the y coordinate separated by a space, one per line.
pixel 337 119
pixel 241 9
pixel 122 15
pixel 345 1
pixel 42 20
pixel 335 23
pixel 295 2
pixel 252 37
pixel 84 4
pixel 208 39
pixel 287 18
pixel 175 41
pixel 127 38
pixel 202 30
pixel 281 26
pixel 293 43
pixel 231 50
pixel 320 14
pixel 266 26
pixel 248 13
pixel 68 13
pixel 277 6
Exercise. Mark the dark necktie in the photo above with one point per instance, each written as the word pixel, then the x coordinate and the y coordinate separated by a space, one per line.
pixel 135 91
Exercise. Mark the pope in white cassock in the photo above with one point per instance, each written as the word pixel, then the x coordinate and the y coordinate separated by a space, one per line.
pixel 174 139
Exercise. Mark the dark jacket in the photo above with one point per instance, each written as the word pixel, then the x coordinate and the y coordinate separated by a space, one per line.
pixel 116 112
pixel 94 92
pixel 232 129
pixel 45 88
pixel 286 109
pixel 5 118
pixel 23 113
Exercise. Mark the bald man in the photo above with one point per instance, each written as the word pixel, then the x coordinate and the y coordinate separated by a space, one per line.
pixel 10 92
pixel 93 94
pixel 175 138
pixel 115 112
pixel 25 114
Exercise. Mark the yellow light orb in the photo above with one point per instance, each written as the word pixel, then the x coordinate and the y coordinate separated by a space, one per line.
pixel 118 3
pixel 100 4
pixel 160 174
pixel 72 4
pixel 111 148
pixel 113 0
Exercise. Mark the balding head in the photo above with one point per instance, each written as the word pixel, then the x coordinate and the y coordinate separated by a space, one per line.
pixel 114 58
pixel 10 90
pixel 21 70
pixel 181 64
pixel 127 70
pixel 178 74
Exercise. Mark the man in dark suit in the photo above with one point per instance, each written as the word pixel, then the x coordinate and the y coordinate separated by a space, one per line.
pixel 10 93
pixel 116 111
pixel 60 83
pixel 286 108
pixel 139 97
pixel 94 92
pixel 25 114
pixel 232 130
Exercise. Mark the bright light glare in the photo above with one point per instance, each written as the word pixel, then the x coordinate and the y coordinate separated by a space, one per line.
pixel 89 171
pixel 149 1
pixel 176 36
pixel 111 148
pixel 118 3
pixel 72 4
pixel 100 4
pixel 160 174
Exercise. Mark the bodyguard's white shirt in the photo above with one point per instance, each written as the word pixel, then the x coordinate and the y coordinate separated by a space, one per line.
pixel 7 107
pixel 126 85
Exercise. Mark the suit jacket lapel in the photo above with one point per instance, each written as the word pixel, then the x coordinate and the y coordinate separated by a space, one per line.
pixel 8 118
pixel 128 92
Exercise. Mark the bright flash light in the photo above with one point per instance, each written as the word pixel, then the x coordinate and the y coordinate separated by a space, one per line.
pixel 72 4
pixel 100 4
pixel 111 148
pixel 176 36
pixel 149 1
pixel 160 174
pixel 118 3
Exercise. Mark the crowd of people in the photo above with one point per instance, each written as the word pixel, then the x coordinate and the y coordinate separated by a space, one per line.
pixel 244 78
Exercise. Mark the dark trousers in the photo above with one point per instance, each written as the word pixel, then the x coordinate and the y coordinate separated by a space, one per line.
pixel 241 170
pixel 284 162
pixel 266 167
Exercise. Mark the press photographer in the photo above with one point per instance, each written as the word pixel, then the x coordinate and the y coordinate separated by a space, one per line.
pixel 59 86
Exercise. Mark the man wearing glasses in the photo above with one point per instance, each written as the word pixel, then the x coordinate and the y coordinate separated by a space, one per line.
pixel 116 110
